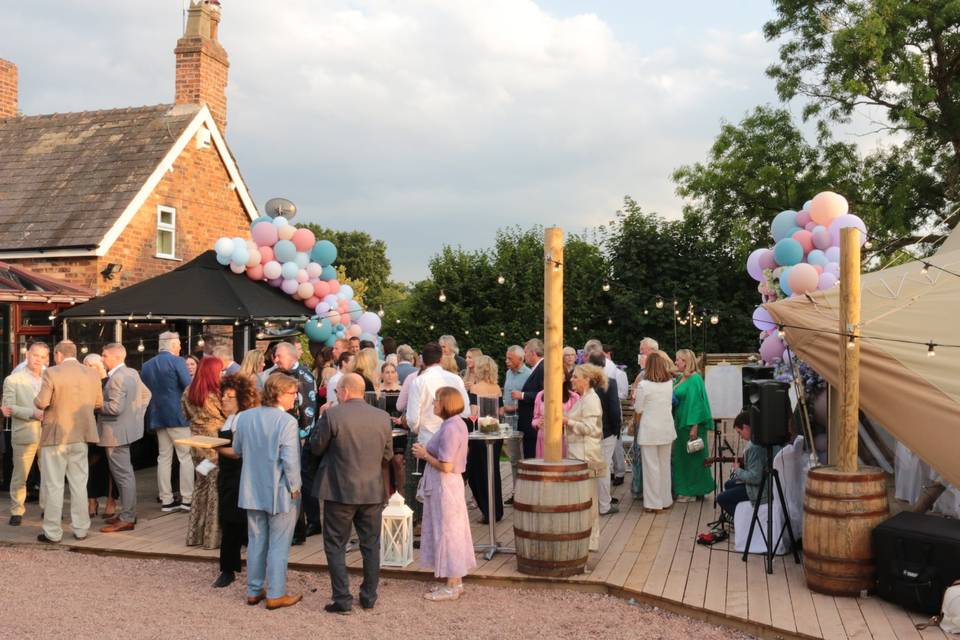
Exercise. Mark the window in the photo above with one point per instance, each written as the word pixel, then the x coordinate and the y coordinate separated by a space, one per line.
pixel 166 232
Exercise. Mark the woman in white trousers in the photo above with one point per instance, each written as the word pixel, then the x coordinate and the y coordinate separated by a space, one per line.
pixel 656 431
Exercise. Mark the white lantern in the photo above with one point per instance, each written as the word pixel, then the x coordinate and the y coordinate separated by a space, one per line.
pixel 396 533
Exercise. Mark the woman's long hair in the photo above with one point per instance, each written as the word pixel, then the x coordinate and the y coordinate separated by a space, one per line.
pixel 206 381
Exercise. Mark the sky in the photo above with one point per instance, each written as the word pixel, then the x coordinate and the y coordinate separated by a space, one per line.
pixel 429 122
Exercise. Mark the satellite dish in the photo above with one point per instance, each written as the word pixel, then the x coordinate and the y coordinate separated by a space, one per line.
pixel 280 207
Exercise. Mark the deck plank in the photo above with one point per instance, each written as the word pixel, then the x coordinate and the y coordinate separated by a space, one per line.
pixel 852 618
pixel 758 597
pixel 805 614
pixel 694 594
pixel 668 547
pixel 781 607
pixel 675 585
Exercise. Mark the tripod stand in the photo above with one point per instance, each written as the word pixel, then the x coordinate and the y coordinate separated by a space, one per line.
pixel 720 444
pixel 769 479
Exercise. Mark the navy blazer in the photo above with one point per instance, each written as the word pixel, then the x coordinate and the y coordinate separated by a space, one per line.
pixel 532 386
pixel 610 403
pixel 166 376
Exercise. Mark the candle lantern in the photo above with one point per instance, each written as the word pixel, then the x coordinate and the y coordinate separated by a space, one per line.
pixel 396 533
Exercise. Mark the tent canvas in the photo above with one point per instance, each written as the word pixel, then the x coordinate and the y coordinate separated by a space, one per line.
pixel 201 289
pixel 915 396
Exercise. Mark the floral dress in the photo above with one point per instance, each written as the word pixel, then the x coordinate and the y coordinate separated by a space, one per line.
pixel 203 528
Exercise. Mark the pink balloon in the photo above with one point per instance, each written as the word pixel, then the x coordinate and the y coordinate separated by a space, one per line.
pixel 266 254
pixel 286 231
pixel 289 286
pixel 805 239
pixel 821 237
pixel 810 226
pixel 334 317
pixel 827 206
pixel 771 350
pixel 803 217
pixel 303 277
pixel 238 268
pixel 305 290
pixel 272 270
pixel 255 258
pixel 321 289
pixel 334 285
pixel 303 240
pixel 311 302
pixel 264 234
pixel 314 270
pixel 343 305
pixel 818 267
pixel 767 260
pixel 355 330
pixel 826 281
pixel 255 273
pixel 803 278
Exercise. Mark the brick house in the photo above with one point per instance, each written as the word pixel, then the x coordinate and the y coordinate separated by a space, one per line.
pixel 105 199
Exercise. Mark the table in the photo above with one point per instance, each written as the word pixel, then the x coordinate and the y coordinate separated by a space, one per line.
pixel 493 546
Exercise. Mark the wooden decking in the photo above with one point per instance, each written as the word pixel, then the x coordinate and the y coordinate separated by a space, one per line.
pixel 652 558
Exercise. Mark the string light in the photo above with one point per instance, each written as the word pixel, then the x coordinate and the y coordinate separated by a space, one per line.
pixel 575 328
pixel 84 349
pixel 931 349
pixel 609 321
pixel 442 297
pixel 398 322
pixel 925 268
pixel 606 286
pixel 646 312
pixel 780 333
pixel 431 327
pixel 381 312
pixel 501 279
pixel 502 334
pixel 140 347
pixel 714 319
pixel 659 303
pixel 466 332
pixel 102 311
pixel 200 342
pixel 52 316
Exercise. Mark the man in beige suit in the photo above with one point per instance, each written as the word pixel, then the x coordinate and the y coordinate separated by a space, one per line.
pixel 20 389
pixel 69 394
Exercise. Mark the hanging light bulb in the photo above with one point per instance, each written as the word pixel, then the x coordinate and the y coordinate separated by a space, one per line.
pixel 575 328
pixel 868 245
pixel 609 321
pixel 502 334
pixel 84 349
pixel 659 303
pixel 200 342
pixel 646 312
pixel 780 332
pixel 398 320
pixel 52 316
pixel 140 347
pixel 556 267
pixel 501 279
pixel 163 321
pixel 851 341
pixel 431 327
pixel 102 311
pixel 925 268
pixel 606 286
pixel 381 312
pixel 931 351
pixel 714 319
pixel 537 332
pixel 466 332
pixel 130 317
pixel 236 322
pixel 442 297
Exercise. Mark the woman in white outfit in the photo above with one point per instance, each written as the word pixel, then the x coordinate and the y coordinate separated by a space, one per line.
pixel 583 426
pixel 656 432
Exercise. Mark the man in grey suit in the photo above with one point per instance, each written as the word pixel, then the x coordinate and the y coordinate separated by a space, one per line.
pixel 125 400
pixel 355 440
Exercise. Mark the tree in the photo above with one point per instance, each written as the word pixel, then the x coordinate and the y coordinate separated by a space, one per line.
pixel 901 57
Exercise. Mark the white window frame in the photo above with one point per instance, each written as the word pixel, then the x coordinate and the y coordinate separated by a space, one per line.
pixel 171 228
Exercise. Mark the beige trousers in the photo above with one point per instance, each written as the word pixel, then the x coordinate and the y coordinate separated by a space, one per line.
pixel 59 462
pixel 23 457
pixel 166 448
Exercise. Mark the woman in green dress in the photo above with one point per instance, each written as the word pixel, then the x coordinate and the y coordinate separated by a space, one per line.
pixel 692 419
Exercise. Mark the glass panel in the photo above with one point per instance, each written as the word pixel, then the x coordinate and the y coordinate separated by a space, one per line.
pixel 166 217
pixel 35 318
pixel 164 242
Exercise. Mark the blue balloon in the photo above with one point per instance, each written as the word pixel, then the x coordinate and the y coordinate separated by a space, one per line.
pixel 331 341
pixel 302 260
pixel 329 273
pixel 368 337
pixel 224 260
pixel 788 252
pixel 354 310
pixel 324 253
pixel 783 225
pixel 260 219
pixel 240 255
pixel 347 291
pixel 280 221
pixel 285 251
pixel 807 205
pixel 817 257
pixel 318 329
pixel 289 270
pixel 783 282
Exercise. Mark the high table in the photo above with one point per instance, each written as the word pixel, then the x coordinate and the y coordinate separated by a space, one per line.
pixel 489 439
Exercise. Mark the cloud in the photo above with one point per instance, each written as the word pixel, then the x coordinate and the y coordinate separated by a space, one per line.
pixel 423 122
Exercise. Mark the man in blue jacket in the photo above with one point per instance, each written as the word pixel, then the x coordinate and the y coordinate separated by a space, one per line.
pixel 166 376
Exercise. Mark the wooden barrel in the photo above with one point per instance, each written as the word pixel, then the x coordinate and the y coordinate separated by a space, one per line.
pixel 551 521
pixel 840 510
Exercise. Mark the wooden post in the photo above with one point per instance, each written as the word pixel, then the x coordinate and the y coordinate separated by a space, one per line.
pixel 849 351
pixel 553 344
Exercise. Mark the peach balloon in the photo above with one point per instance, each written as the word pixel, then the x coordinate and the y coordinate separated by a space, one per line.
pixel 303 239
pixel 305 290
pixel 311 302
pixel 803 278
pixel 320 289
pixel 805 238
pixel 826 206
pixel 286 232
pixel 334 286
pixel 255 272
pixel 266 254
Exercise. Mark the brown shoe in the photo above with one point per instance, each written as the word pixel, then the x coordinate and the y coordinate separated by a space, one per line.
pixel 114 519
pixel 119 525
pixel 257 599
pixel 283 601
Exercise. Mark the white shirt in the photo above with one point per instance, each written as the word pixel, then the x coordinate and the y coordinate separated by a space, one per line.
pixel 332 388
pixel 110 373
pixel 614 372
pixel 420 416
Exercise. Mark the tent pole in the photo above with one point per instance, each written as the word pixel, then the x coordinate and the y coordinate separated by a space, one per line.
pixel 849 349
pixel 553 347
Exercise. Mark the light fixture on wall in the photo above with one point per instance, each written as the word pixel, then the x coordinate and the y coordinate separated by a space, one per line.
pixel 111 270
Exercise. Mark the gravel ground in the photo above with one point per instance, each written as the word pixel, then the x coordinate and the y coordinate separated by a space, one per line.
pixel 51 593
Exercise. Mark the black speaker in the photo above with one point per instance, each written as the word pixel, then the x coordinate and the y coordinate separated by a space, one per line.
pixel 752 372
pixel 769 406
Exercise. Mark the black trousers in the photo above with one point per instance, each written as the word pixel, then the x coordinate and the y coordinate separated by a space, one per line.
pixel 365 518
pixel 233 537
pixel 477 477
pixel 733 494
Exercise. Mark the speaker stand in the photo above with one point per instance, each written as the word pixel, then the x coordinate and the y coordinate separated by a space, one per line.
pixel 768 480
pixel 720 444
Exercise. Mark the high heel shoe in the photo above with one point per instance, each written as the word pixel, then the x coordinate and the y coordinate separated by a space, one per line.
pixel 96 509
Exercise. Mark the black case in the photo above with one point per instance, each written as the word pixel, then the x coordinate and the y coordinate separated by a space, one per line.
pixel 918 557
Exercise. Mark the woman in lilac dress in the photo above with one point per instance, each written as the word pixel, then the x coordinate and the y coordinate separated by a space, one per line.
pixel 446 544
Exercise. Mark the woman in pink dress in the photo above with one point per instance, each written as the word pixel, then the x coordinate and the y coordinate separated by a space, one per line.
pixel 446 545
pixel 570 398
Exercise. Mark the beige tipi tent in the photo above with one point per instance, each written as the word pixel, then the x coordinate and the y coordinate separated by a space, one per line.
pixel 913 392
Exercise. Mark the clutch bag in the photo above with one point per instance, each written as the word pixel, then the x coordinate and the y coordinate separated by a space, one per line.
pixel 694 446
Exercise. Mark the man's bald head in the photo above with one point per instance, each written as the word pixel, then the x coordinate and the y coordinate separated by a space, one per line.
pixel 351 385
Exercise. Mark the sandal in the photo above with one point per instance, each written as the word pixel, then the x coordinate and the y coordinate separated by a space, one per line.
pixel 444 593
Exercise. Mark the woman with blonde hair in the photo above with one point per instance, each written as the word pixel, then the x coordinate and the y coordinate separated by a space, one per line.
pixel 583 426
pixel 367 366
pixel 252 366
pixel 484 394
pixel 655 431
pixel 692 420
pixel 449 363
pixel 469 374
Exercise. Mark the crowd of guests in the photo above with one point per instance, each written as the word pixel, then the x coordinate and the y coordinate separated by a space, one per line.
pixel 318 450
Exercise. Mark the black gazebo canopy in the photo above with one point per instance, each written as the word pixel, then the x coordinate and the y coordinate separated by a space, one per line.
pixel 201 289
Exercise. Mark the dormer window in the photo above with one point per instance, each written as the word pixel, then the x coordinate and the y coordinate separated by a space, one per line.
pixel 166 232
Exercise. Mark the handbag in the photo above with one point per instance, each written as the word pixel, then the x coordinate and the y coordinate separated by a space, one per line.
pixel 949 618
pixel 693 446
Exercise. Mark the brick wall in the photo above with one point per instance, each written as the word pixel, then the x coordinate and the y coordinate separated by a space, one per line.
pixel 8 89
pixel 201 76
pixel 207 208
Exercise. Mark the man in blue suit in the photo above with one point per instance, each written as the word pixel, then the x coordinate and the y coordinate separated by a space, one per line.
pixel 533 357
pixel 166 376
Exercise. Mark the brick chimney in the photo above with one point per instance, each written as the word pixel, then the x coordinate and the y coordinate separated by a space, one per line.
pixel 8 89
pixel 201 61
